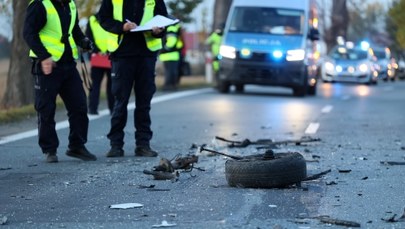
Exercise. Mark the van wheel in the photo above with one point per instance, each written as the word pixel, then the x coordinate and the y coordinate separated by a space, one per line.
pixel 312 90
pixel 223 86
pixel 282 170
pixel 300 91
pixel 239 88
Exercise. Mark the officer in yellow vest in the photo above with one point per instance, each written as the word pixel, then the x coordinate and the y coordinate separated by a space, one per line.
pixel 52 32
pixel 133 56
pixel 214 40
pixel 100 65
pixel 170 56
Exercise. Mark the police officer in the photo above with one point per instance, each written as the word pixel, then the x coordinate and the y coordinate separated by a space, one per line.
pixel 133 56
pixel 170 56
pixel 100 65
pixel 52 32
pixel 214 40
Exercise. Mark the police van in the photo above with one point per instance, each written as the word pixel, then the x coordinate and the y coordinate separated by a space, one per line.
pixel 270 43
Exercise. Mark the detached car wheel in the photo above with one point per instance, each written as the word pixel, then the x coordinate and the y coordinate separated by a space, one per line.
pixel 256 172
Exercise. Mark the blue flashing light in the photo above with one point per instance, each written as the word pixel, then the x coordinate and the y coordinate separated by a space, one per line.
pixel 277 54
pixel 364 45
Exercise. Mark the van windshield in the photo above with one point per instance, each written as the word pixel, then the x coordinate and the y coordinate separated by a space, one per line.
pixel 267 21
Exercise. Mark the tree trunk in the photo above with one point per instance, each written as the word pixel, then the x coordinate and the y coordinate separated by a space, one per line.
pixel 19 90
pixel 220 13
pixel 340 22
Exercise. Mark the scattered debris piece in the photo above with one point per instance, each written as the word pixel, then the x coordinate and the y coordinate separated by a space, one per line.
pixel 272 205
pixel 126 206
pixel 146 186
pixel 331 183
pixel 364 178
pixel 393 220
pixel 403 147
pixel 185 163
pixel 316 176
pixel 202 148
pixel 328 220
pixel 392 162
pixel 344 170
pixel 3 220
pixel 267 142
pixel 164 224
pixel 6 168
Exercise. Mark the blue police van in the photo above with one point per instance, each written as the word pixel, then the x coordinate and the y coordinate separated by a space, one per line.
pixel 270 43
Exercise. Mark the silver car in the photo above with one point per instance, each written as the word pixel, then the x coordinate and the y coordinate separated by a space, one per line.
pixel 350 64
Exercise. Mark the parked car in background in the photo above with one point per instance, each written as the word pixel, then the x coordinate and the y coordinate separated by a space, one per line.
pixel 401 69
pixel 386 62
pixel 347 63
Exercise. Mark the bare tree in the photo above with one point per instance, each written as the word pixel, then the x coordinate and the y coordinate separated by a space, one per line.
pixel 221 9
pixel 19 90
pixel 340 22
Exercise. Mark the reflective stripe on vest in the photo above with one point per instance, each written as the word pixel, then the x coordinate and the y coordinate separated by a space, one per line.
pixel 51 34
pixel 99 34
pixel 153 44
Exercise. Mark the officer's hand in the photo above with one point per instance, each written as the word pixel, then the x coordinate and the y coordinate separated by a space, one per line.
pixel 157 30
pixel 128 26
pixel 86 44
pixel 47 65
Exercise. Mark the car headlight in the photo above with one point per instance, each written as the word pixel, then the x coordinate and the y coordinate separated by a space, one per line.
pixel 363 68
pixel 295 55
pixel 329 67
pixel 227 51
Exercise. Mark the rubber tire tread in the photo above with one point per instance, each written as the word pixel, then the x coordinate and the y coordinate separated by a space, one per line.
pixel 286 169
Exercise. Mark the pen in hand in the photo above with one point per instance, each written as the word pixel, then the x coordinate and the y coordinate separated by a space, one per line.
pixel 129 25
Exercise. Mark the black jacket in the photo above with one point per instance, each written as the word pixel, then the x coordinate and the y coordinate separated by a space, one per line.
pixel 133 43
pixel 35 20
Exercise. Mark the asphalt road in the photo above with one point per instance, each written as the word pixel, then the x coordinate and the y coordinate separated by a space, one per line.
pixel 359 127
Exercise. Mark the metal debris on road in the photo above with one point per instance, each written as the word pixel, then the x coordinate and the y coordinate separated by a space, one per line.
pixel 126 206
pixel 392 162
pixel 164 224
pixel 266 142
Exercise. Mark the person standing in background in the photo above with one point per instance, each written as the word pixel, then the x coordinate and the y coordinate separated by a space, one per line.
pixel 214 40
pixel 52 32
pixel 133 56
pixel 170 57
pixel 100 65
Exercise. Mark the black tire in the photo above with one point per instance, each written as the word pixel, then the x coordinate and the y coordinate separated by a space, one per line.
pixel 239 88
pixel 223 86
pixel 300 91
pixel 285 169
pixel 312 90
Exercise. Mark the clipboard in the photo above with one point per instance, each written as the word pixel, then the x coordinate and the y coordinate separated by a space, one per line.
pixel 156 21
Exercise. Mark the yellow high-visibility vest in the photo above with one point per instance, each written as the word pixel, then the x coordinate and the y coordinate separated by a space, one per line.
pixel 51 34
pixel 99 34
pixel 153 44
pixel 172 42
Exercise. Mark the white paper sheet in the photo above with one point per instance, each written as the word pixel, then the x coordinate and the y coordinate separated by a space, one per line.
pixel 156 21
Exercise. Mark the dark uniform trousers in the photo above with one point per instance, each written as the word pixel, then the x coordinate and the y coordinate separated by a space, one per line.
pixel 97 75
pixel 65 81
pixel 129 73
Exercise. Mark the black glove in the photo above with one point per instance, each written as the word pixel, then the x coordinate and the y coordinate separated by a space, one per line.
pixel 86 44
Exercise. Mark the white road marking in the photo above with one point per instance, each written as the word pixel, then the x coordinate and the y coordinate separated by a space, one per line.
pixel 131 106
pixel 327 109
pixel 312 128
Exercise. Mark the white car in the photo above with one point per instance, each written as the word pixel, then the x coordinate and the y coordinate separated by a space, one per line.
pixel 350 64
